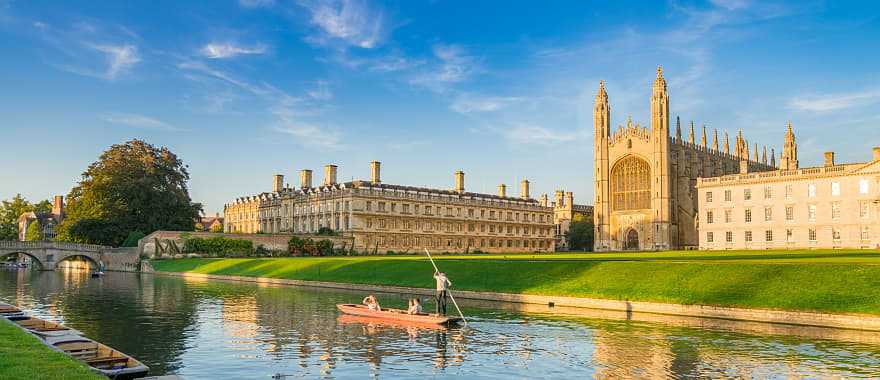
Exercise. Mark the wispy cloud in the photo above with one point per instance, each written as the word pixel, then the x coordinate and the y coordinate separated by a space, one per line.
pixel 351 22
pixel 469 103
pixel 137 121
pixel 523 134
pixel 119 61
pixel 834 102
pixel 453 65
pixel 256 3
pixel 321 91
pixel 221 50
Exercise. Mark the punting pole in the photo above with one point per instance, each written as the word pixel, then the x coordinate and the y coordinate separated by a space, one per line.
pixel 450 293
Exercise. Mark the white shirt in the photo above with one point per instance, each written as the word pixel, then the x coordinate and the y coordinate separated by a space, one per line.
pixel 442 282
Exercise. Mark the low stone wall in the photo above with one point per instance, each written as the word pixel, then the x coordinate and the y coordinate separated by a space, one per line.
pixel 170 242
pixel 843 321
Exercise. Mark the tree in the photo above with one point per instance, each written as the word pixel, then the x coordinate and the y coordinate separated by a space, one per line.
pixel 216 228
pixel 43 206
pixel 132 187
pixel 34 232
pixel 133 238
pixel 10 211
pixel 580 236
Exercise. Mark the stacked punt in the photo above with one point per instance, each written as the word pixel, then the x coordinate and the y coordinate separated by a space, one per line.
pixel 101 358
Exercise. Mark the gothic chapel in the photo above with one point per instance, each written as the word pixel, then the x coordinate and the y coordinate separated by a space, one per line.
pixel 646 179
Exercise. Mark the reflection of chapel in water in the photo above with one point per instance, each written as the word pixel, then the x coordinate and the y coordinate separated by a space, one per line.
pixel 646 178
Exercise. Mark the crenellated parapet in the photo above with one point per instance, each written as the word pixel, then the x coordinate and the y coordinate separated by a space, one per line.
pixel 630 131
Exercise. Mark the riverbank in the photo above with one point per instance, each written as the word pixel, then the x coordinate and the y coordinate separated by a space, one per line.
pixel 22 356
pixel 836 282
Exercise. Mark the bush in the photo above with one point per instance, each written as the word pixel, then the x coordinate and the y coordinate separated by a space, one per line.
pixel 219 246
pixel 324 247
pixel 133 238
pixel 34 232
pixel 326 231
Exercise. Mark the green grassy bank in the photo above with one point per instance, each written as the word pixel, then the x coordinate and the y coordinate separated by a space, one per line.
pixel 22 356
pixel 822 281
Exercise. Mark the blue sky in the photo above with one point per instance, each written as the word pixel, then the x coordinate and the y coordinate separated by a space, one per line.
pixel 242 90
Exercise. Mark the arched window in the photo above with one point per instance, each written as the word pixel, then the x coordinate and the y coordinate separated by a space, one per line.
pixel 631 184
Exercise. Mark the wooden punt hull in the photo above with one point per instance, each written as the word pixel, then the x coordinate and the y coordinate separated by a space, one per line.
pixel 99 357
pixel 43 328
pixel 396 315
pixel 348 319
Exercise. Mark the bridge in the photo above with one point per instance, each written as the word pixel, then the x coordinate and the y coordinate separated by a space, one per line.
pixel 48 254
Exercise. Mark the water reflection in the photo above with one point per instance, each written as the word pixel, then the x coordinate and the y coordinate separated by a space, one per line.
pixel 208 329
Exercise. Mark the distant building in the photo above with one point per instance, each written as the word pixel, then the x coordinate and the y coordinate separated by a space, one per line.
pixel 382 217
pixel 565 211
pixel 211 223
pixel 49 221
pixel 830 206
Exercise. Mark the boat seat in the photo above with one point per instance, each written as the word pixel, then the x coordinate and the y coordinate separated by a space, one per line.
pixel 106 360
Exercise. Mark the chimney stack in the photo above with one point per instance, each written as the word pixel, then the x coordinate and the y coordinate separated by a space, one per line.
pixel 829 158
pixel 278 184
pixel 558 198
pixel 459 181
pixel 305 178
pixel 524 189
pixel 544 200
pixel 375 167
pixel 877 153
pixel 569 199
pixel 58 206
pixel 329 174
pixel 502 190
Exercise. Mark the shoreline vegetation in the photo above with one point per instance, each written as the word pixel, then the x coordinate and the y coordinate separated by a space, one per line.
pixel 823 281
pixel 22 356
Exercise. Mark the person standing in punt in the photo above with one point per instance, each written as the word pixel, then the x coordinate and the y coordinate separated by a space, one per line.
pixel 443 285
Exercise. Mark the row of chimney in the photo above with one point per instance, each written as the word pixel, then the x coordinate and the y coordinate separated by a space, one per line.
pixel 305 180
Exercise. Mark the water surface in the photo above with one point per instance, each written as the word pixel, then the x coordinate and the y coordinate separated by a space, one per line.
pixel 214 329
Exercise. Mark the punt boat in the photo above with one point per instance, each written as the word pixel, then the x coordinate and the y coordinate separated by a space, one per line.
pixel 101 358
pixel 43 328
pixel 397 315
pixel 9 311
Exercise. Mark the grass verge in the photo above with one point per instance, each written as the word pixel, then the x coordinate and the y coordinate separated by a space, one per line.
pixel 832 282
pixel 22 356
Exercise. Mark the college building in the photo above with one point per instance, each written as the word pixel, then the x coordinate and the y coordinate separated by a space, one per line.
pixel 829 206
pixel 645 177
pixel 565 211
pixel 383 217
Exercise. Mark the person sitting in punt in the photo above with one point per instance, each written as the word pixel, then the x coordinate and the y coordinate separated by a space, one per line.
pixel 415 306
pixel 371 303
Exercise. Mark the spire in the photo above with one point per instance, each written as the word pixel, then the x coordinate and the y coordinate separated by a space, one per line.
pixel 703 140
pixel 601 113
pixel 691 135
pixel 756 153
pixel 726 143
pixel 660 107
pixel 678 128
pixel 715 140
pixel 764 156
pixel 789 160
pixel 773 157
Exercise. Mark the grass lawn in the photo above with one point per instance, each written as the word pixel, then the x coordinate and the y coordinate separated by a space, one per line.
pixel 824 281
pixel 22 356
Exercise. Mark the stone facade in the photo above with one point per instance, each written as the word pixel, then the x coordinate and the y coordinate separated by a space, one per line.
pixel 565 211
pixel 830 206
pixel 48 220
pixel 646 196
pixel 382 217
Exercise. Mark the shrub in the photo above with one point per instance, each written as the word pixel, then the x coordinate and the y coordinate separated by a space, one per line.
pixel 295 246
pixel 219 246
pixel 324 247
pixel 326 231
pixel 34 232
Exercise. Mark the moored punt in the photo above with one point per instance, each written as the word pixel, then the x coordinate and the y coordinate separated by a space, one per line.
pixel 397 315
pixel 9 311
pixel 99 357
pixel 43 328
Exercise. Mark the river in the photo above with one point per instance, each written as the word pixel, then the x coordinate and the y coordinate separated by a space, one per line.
pixel 226 330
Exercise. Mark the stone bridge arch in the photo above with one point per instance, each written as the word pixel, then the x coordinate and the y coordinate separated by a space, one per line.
pixel 50 253
pixel 4 256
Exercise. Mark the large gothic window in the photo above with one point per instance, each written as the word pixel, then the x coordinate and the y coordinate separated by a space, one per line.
pixel 631 184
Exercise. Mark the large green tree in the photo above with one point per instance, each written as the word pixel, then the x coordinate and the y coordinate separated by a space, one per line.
pixel 10 210
pixel 580 235
pixel 133 186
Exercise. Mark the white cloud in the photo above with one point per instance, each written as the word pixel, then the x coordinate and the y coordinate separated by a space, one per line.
pixel 825 103
pixel 521 134
pixel 352 22
pixel 256 3
pixel 220 50
pixel 453 65
pixel 310 135
pixel 120 58
pixel 467 103
pixel 137 121
pixel 322 91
